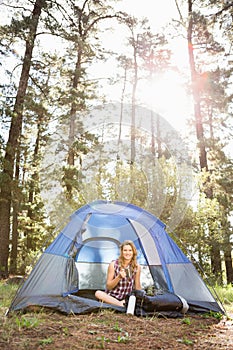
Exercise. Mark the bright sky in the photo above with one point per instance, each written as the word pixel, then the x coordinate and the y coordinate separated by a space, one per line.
pixel 159 11
pixel 166 95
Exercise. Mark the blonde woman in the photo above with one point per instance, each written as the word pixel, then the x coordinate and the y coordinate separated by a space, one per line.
pixel 123 276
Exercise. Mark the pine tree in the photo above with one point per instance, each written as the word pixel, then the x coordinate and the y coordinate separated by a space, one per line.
pixel 31 23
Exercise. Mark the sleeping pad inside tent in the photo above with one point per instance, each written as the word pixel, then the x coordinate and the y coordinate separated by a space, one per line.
pixel 75 264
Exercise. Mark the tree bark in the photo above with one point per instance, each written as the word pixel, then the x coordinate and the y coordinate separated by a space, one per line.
pixel 215 250
pixel 33 185
pixel 196 93
pixel 15 222
pixel 227 249
pixel 228 263
pixel 73 111
pixel 133 112
pixel 13 142
pixel 216 262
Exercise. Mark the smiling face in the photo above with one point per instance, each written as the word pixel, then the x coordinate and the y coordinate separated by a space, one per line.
pixel 127 252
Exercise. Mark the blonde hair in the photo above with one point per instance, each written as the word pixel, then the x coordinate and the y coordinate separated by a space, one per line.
pixel 134 257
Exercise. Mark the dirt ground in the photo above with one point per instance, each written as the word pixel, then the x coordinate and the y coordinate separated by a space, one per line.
pixel 111 330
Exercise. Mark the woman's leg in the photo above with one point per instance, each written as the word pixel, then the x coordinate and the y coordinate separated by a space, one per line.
pixel 106 298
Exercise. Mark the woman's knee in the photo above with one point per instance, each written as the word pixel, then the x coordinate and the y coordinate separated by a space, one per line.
pixel 98 294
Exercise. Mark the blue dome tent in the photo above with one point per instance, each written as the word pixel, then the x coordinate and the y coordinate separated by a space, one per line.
pixel 75 264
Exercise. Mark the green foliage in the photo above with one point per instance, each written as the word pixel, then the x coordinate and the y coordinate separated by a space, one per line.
pixel 123 338
pixel 102 341
pixel 71 179
pixel 213 314
pixel 65 331
pixel 34 234
pixel 117 328
pixel 187 341
pixel 7 292
pixel 46 341
pixel 26 322
pixel 186 320
pixel 225 293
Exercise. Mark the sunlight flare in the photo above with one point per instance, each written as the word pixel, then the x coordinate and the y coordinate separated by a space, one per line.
pixel 166 95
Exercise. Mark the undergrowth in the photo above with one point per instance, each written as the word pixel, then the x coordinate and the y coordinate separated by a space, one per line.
pixel 7 293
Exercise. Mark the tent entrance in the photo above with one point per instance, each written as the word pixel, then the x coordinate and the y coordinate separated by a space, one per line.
pixel 92 262
pixel 101 239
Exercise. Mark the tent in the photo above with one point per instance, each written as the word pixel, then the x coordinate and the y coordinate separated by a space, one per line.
pixel 75 264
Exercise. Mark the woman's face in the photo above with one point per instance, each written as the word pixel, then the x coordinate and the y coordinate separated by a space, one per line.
pixel 127 252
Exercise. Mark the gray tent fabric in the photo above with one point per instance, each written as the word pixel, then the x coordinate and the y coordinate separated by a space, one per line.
pixel 75 264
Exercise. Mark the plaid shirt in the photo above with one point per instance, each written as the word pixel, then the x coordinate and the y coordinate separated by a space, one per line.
pixel 125 285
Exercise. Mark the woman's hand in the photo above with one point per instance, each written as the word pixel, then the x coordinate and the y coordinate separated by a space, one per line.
pixel 122 273
pixel 111 281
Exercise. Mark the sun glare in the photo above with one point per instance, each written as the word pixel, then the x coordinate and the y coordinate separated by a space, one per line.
pixel 166 95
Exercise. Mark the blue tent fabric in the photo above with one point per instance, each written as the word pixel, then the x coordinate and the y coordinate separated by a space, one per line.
pixel 75 264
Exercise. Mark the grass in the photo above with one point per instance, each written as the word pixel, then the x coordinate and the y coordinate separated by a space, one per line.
pixel 7 293
pixel 225 295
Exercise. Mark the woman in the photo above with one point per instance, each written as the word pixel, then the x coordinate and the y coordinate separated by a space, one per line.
pixel 123 276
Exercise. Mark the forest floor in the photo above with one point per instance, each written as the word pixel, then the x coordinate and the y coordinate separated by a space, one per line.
pixel 111 330
pixel 44 329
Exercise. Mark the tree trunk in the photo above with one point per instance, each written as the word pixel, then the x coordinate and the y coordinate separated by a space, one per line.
pixel 121 110
pixel 72 125
pixel 196 93
pixel 13 142
pixel 133 131
pixel 73 109
pixel 159 143
pixel 228 263
pixel 216 262
pixel 227 248
pixel 215 250
pixel 33 185
pixel 15 206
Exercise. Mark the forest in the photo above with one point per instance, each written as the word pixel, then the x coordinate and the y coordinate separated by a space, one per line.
pixel 72 132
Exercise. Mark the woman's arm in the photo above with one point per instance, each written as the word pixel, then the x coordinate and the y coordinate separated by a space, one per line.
pixel 137 278
pixel 111 281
